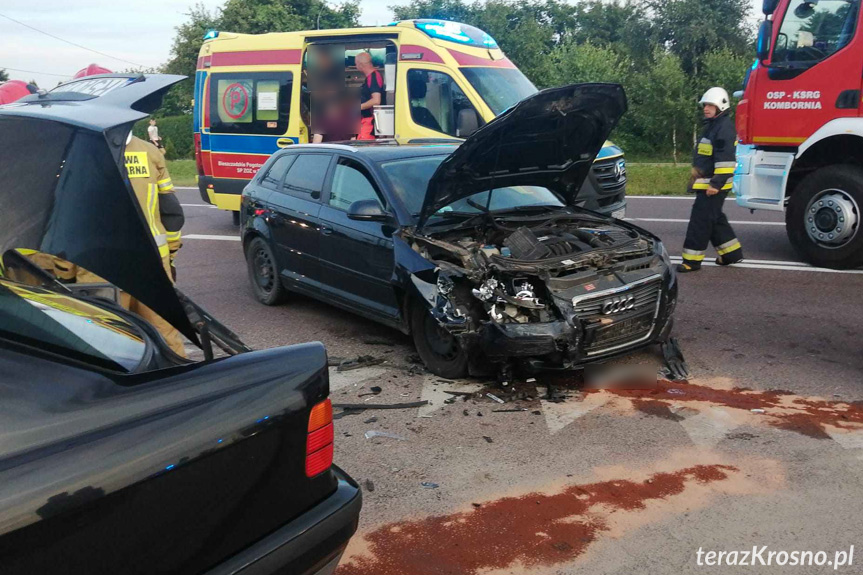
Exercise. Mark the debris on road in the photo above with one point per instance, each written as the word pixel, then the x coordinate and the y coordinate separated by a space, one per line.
pixel 374 390
pixel 488 439
pixel 363 406
pixel 360 361
pixel 514 409
pixel 429 485
pixel 369 485
pixel 371 420
pixel 494 397
pixel 371 434
pixel 675 368
pixel 377 341
pixel 757 411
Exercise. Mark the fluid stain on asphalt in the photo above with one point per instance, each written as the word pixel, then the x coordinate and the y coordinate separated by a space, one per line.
pixel 533 530
pixel 782 409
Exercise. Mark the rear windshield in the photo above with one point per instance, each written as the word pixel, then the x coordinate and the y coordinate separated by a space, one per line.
pixel 410 177
pixel 500 88
pixel 69 326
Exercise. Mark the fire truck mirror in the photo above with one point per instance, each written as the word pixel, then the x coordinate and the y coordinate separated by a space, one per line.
pixel 765 33
pixel 769 6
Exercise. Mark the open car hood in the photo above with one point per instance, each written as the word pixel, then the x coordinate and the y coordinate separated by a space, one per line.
pixel 64 189
pixel 548 139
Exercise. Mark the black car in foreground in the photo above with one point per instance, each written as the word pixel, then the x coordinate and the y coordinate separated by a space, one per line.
pixel 116 455
pixel 475 250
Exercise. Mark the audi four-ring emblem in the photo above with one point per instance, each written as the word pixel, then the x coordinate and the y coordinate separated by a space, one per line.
pixel 618 304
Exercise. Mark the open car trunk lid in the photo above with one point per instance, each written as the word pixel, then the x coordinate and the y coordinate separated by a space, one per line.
pixel 549 139
pixel 65 190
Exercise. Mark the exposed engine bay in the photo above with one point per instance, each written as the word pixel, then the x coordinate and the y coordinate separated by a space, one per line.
pixel 513 273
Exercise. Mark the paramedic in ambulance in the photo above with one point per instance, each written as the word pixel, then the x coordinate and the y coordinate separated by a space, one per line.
pixel 372 94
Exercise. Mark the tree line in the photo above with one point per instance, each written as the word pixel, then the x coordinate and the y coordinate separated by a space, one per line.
pixel 666 53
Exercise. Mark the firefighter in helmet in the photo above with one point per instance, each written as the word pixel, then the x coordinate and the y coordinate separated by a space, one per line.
pixel 713 165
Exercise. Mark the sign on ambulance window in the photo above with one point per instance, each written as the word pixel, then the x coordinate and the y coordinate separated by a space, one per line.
pixel 250 102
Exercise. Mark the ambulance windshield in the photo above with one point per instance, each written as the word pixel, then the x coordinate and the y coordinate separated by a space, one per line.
pixel 500 88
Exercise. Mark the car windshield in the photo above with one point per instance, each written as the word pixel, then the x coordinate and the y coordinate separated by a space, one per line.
pixel 69 326
pixel 500 88
pixel 410 178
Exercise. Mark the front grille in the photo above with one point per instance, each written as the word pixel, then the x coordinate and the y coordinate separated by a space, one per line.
pixel 610 178
pixel 619 318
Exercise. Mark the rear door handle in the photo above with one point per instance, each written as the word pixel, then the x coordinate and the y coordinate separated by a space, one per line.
pixel 326 230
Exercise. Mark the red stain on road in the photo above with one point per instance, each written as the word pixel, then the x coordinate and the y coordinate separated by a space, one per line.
pixel 532 530
pixel 784 410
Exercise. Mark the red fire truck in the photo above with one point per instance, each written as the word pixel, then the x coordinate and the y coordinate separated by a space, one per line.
pixel 801 128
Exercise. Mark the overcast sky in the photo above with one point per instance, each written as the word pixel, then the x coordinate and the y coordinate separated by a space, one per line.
pixel 135 31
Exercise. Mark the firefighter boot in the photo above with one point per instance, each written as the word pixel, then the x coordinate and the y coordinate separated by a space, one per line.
pixel 688 266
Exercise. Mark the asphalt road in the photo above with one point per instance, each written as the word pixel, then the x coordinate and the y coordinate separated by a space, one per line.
pixel 607 481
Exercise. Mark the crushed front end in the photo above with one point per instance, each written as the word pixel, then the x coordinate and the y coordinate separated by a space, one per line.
pixel 548 291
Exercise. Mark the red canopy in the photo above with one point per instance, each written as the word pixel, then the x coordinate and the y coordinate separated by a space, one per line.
pixel 91 70
pixel 13 90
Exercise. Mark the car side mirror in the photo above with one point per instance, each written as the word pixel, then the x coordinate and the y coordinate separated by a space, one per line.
pixel 367 211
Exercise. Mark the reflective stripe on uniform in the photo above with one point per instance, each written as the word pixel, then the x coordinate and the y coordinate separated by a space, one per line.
pixel 152 203
pixel 728 247
pixel 165 185
pixel 705 147
pixel 173 236
pixel 728 186
pixel 701 184
pixel 724 167
pixel 693 255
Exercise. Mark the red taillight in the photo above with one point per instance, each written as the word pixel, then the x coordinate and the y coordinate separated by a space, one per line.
pixel 199 158
pixel 319 442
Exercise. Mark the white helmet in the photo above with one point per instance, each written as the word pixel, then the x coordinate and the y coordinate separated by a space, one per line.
pixel 716 96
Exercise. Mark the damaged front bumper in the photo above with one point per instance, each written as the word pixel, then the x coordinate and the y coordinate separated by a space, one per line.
pixel 594 326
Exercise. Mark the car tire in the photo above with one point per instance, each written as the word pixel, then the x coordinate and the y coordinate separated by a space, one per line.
pixel 263 272
pixel 440 350
pixel 235 218
pixel 809 215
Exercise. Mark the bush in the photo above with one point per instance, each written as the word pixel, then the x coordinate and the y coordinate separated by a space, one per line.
pixel 176 133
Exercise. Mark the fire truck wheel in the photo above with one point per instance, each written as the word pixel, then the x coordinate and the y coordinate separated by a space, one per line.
pixel 824 217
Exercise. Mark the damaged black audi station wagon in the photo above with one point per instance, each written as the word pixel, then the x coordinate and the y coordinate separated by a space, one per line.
pixel 477 251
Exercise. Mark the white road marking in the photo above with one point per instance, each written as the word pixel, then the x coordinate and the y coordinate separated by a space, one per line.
pixel 342 379
pixel 708 427
pixel 677 221
pixel 210 237
pixel 435 394
pixel 777 265
pixel 559 415
pixel 185 188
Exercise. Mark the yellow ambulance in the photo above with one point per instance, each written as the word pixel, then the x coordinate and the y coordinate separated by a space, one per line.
pixel 442 81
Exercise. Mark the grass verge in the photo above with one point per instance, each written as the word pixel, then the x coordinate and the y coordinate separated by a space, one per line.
pixel 182 172
pixel 656 180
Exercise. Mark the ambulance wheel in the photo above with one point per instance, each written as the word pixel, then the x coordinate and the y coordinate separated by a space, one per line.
pixel 438 348
pixel 235 217
pixel 824 217
pixel 263 273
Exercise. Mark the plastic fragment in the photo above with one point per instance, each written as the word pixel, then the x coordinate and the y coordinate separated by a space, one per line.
pixel 757 410
pixel 494 397
pixel 373 433
pixel 429 485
